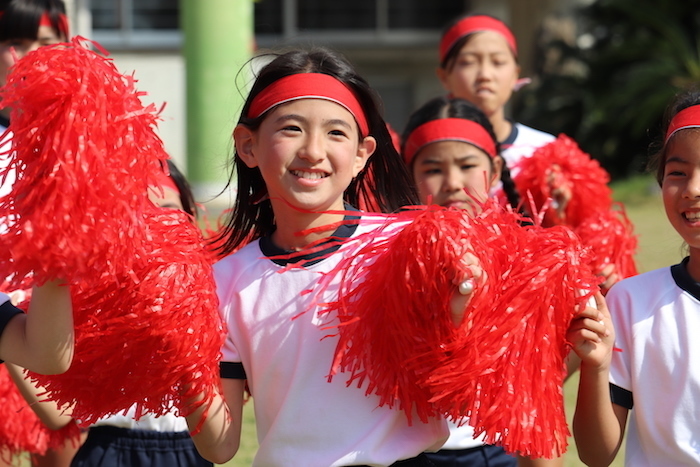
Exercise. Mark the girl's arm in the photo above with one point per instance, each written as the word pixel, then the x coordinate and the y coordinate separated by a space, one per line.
pixel 42 340
pixel 47 411
pixel 599 425
pixel 219 436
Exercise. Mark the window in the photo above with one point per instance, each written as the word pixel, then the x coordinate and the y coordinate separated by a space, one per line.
pixel 136 23
pixel 294 18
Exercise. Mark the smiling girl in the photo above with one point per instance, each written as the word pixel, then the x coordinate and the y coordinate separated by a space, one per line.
pixel 655 316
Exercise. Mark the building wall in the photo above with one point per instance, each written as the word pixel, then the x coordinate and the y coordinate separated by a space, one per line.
pixel 401 68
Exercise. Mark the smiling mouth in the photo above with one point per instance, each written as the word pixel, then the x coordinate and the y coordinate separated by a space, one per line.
pixel 310 175
pixel 692 216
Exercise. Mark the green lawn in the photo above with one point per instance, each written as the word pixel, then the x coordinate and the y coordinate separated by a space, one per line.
pixel 659 246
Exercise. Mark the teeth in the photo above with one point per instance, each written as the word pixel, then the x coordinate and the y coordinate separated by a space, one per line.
pixel 692 216
pixel 309 175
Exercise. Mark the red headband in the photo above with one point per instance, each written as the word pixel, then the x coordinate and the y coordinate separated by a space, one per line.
pixel 470 25
pixel 308 86
pixel 448 129
pixel 686 118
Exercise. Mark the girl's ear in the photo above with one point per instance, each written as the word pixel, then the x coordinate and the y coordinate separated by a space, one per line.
pixel 244 139
pixel 497 170
pixel 367 147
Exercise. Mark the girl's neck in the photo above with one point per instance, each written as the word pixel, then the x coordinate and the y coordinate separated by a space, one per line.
pixel 501 126
pixel 286 235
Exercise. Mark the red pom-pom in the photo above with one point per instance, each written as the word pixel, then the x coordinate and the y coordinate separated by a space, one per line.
pixel 151 336
pixel 610 235
pixel 395 330
pixel 145 309
pixel 85 151
pixel 562 163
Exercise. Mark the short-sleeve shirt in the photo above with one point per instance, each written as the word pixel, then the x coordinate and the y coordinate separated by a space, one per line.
pixel 7 311
pixel 656 317
pixel 301 418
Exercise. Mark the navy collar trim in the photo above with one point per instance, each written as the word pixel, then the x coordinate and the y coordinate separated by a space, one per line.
pixel 4 121
pixel 334 242
pixel 511 137
pixel 683 280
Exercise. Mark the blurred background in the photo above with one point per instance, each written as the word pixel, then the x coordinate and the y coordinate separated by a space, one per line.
pixel 602 70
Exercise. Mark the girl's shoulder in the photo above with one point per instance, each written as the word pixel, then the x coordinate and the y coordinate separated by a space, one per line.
pixel 641 296
pixel 531 136
pixel 241 259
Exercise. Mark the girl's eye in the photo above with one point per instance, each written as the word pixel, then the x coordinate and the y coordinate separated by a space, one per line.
pixel 432 172
pixel 674 173
pixel 468 166
pixel 337 133
pixel 291 128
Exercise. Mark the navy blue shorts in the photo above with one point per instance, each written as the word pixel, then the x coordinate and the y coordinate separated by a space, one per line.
pixel 480 456
pixel 108 446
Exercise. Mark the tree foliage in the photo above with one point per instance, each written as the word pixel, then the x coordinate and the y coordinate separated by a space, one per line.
pixel 608 87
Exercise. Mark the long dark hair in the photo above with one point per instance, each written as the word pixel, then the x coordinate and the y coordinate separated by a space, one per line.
pixel 20 18
pixel 183 186
pixel 657 161
pixel 384 182
pixel 446 107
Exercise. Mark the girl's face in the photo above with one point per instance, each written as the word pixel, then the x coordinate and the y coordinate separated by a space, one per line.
pixel 484 72
pixel 307 152
pixel 45 36
pixel 681 186
pixel 455 174
pixel 165 197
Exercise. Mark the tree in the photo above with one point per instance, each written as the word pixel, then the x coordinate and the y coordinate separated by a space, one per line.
pixel 608 89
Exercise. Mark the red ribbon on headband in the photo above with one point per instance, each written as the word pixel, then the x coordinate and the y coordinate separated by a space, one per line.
pixel 686 118
pixel 309 86
pixel 472 24
pixel 448 129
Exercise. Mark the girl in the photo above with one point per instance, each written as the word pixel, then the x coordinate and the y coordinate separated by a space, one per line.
pixel 122 439
pixel 449 147
pixel 452 153
pixel 310 144
pixel 479 63
pixel 654 316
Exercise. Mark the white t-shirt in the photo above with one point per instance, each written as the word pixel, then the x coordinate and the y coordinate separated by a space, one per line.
pixel 522 143
pixel 166 423
pixel 301 418
pixel 656 317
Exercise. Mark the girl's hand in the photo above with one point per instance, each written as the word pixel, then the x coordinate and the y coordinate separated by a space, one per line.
pixel 592 335
pixel 560 189
pixel 610 276
pixel 465 288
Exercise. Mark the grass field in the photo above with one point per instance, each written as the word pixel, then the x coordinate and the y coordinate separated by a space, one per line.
pixel 659 246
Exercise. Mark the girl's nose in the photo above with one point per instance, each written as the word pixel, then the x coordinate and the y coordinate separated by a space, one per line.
pixel 692 188
pixel 313 149
pixel 453 181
